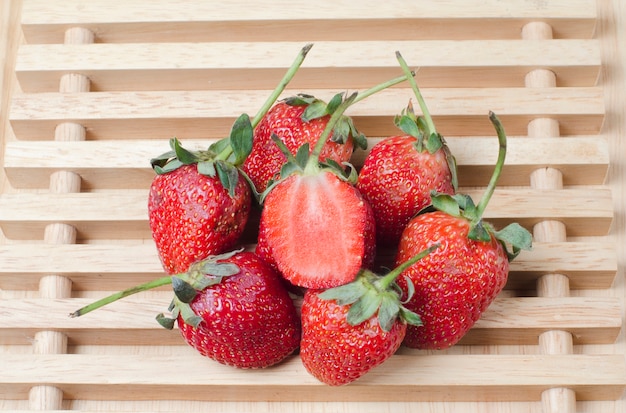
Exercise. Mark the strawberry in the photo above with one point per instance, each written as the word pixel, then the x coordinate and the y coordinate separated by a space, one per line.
pixel 295 121
pixel 245 320
pixel 457 282
pixel 193 215
pixel 230 307
pixel 400 171
pixel 199 202
pixel 349 330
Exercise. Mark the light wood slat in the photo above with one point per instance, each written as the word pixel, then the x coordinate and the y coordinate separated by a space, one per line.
pixel 125 164
pixel 584 211
pixel 194 66
pixel 401 378
pixel 115 266
pixel 44 21
pixel 210 114
pixel 507 321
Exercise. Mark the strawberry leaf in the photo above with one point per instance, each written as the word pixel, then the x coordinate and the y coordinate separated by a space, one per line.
pixel 183 290
pixel 206 168
pixel 315 110
pixel 345 294
pixel 229 176
pixel 183 155
pixel 433 143
pixel 410 317
pixel 388 312
pixel 334 103
pixel 241 136
pixel 407 124
pixel 302 156
pixel 517 236
pixel 165 322
pixel 446 203
pixel 478 232
pixel 300 99
pixel 364 308
pixel 168 167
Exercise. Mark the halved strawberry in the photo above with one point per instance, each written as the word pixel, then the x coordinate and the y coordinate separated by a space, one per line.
pixel 319 229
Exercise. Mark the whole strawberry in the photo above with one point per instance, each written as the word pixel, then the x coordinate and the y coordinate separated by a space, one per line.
pixel 349 330
pixel 246 319
pixel 193 215
pixel 400 171
pixel 295 121
pixel 232 308
pixel 456 283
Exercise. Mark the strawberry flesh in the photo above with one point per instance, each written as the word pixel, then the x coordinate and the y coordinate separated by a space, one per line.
pixel 319 230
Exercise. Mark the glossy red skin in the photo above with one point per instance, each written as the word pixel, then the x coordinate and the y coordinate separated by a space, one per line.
pixel 192 216
pixel 266 159
pixel 248 320
pixel 397 180
pixel 454 284
pixel 291 242
pixel 337 353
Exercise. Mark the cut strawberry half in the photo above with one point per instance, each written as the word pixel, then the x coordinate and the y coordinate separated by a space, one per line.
pixel 319 230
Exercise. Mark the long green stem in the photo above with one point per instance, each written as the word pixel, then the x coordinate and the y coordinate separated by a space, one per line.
pixel 382 86
pixel 384 283
pixel 480 208
pixel 420 99
pixel 319 145
pixel 271 99
pixel 121 294
pixel 312 163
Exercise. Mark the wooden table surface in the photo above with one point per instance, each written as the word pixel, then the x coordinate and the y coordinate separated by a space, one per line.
pixel 497 369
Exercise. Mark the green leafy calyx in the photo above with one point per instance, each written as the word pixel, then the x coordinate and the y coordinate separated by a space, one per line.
pixel 461 205
pixel 186 286
pixel 374 295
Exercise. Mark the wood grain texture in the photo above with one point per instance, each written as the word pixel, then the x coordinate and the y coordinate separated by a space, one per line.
pixel 160 69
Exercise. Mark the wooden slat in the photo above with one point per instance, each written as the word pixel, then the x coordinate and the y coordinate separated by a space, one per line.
pixel 402 378
pixel 584 211
pixel 145 20
pixel 210 114
pixel 125 164
pixel 198 66
pixel 115 266
pixel 508 320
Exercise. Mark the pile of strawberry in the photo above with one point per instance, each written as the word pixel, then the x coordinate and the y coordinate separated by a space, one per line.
pixel 321 223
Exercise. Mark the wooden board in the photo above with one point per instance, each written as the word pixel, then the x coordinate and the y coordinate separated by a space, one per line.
pixel 92 90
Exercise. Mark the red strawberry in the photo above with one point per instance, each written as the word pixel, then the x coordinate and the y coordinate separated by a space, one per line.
pixel 192 216
pixel 231 308
pixel 199 202
pixel 246 320
pixel 400 172
pixel 295 121
pixel 349 330
pixel 457 282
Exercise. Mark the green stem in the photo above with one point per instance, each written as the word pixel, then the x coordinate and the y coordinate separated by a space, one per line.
pixel 121 294
pixel 312 163
pixel 420 99
pixel 480 208
pixel 319 145
pixel 384 283
pixel 382 86
pixel 274 95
